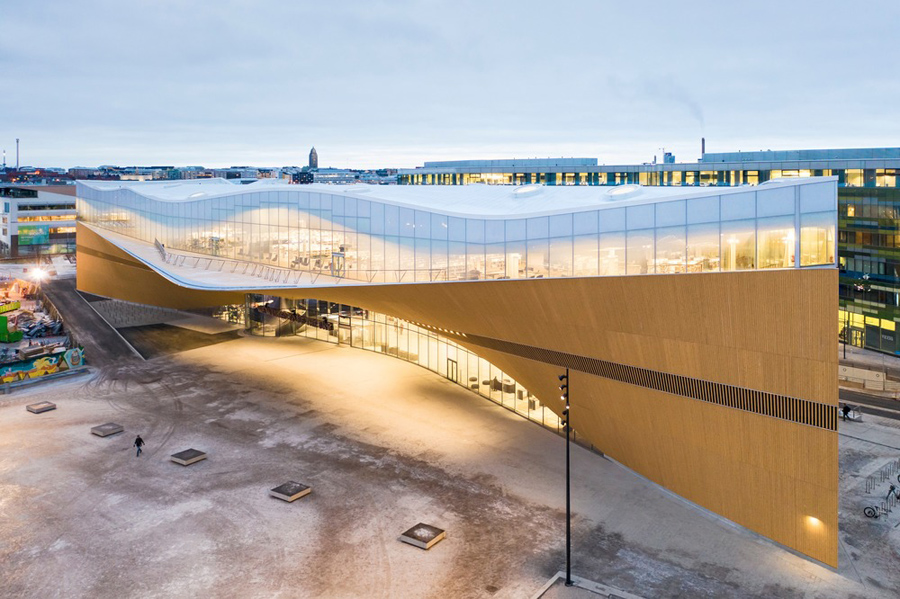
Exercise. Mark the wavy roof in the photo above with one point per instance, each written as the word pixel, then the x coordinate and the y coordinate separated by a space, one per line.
pixel 476 200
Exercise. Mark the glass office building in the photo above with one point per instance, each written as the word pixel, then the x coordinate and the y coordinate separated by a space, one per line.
pixel 868 182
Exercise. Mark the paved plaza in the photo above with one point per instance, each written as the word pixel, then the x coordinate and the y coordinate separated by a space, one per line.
pixel 384 445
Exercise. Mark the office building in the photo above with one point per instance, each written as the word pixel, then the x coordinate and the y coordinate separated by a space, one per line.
pixel 37 220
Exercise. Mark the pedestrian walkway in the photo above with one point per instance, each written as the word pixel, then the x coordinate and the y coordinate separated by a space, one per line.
pixel 873 430
pixel 858 357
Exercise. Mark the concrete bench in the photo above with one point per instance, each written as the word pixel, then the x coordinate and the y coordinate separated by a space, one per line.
pixel 44 406
pixel 423 536
pixel 290 491
pixel 105 430
pixel 188 457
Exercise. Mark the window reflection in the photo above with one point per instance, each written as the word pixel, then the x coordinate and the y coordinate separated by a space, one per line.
pixel 561 257
pixel 612 254
pixel 816 239
pixel 703 248
pixel 776 242
pixel 738 243
pixel 585 256
pixel 538 259
pixel 639 252
pixel 670 250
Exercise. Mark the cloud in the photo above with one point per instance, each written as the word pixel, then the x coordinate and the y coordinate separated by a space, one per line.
pixel 373 83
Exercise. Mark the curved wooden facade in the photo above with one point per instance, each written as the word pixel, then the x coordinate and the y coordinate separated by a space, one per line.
pixel 721 387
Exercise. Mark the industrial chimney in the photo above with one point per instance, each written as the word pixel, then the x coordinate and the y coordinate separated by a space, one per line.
pixel 702 146
pixel 17 154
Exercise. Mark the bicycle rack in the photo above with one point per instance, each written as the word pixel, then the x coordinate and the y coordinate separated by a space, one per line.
pixel 885 473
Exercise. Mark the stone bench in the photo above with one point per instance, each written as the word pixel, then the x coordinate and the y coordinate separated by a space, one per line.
pixel 105 430
pixel 423 536
pixel 290 491
pixel 188 457
pixel 44 406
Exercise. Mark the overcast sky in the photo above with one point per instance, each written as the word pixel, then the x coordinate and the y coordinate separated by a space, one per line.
pixel 376 84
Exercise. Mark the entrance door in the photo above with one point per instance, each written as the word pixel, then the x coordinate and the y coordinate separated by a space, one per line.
pixel 452 370
pixel 856 337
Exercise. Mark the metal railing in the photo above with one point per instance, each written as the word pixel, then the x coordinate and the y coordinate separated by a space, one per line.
pixel 161 249
pixel 284 275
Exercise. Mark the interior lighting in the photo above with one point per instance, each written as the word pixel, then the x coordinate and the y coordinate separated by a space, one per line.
pixel 39 274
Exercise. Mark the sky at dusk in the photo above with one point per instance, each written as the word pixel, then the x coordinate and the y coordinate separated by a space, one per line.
pixel 393 84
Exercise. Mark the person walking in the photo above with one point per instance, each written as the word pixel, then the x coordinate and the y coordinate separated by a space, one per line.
pixel 139 443
pixel 845 411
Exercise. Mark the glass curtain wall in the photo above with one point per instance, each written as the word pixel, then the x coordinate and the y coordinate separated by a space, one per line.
pixel 377 242
pixel 381 333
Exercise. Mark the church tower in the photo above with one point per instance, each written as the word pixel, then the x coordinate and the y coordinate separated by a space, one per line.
pixel 313 158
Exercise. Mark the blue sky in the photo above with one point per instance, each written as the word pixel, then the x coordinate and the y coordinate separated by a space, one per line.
pixel 397 83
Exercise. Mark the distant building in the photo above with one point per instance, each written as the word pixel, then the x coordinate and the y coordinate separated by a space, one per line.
pixel 236 172
pixel 379 177
pixel 83 172
pixel 335 175
pixel 313 158
pixel 37 220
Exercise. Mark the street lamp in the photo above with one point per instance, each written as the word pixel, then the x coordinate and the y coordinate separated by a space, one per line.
pixel 564 388
pixel 38 275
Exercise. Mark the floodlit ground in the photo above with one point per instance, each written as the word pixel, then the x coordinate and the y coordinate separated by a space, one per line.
pixel 384 445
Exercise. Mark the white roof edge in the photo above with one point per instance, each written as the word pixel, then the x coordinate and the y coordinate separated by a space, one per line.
pixel 499 193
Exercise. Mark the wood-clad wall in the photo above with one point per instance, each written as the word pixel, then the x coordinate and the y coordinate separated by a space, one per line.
pixel 771 331
pixel 104 269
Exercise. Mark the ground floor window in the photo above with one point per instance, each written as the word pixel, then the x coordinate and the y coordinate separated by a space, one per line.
pixel 870 332
pixel 336 323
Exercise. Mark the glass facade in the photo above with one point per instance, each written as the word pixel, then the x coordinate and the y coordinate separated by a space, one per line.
pixel 372 331
pixel 380 242
pixel 869 263
pixel 702 176
pixel 867 244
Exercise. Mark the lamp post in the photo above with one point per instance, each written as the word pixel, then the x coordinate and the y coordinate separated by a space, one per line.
pixel 564 387
pixel 846 329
